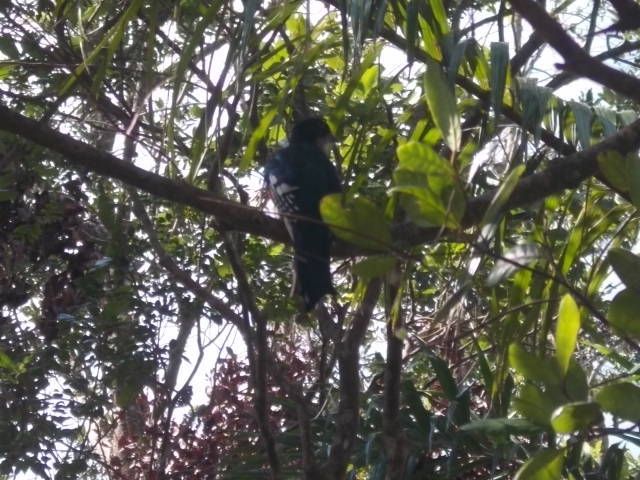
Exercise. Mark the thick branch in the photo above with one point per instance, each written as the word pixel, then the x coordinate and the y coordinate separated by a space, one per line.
pixel 576 59
pixel 563 173
pixel 348 415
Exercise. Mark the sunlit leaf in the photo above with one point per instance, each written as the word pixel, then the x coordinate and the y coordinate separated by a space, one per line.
pixel 544 465
pixel 572 417
pixel 567 331
pixel 532 367
pixel 356 220
pixel 432 194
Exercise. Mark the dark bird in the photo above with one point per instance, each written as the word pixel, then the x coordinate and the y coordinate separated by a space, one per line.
pixel 298 176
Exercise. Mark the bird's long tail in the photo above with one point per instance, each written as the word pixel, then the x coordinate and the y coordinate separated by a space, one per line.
pixel 312 264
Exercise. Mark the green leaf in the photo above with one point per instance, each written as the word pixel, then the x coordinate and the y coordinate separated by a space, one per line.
pixel 356 220
pixel 532 367
pixel 442 105
pixel 412 29
pixel 431 192
pixel 534 404
pixel 624 313
pixel 513 260
pixel 622 399
pixel 545 465
pixel 455 59
pixel 375 266
pixel 583 117
pixel 443 374
pixel 6 363
pixel 499 67
pixel 533 100
pixel 627 267
pixel 576 385
pixel 502 426
pixel 567 331
pixel 613 167
pixel 575 416
pixel 499 200
pixel 258 135
pixel 413 398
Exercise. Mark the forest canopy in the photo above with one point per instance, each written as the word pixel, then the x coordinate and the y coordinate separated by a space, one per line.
pixel 486 319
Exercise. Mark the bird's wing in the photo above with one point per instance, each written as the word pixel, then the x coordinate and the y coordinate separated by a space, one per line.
pixel 283 186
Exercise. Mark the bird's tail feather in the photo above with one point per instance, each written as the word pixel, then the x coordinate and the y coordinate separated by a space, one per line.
pixel 313 279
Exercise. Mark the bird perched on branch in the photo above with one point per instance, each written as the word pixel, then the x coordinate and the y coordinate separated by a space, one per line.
pixel 298 176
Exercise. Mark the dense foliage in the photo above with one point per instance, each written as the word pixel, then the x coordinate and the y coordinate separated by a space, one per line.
pixel 486 323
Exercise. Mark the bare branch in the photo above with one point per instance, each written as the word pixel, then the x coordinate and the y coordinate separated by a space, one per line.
pixel 576 59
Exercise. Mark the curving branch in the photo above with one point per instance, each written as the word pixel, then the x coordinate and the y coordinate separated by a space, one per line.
pixel 576 58
pixel 563 173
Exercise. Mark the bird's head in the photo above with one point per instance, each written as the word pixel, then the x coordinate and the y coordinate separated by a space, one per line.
pixel 313 131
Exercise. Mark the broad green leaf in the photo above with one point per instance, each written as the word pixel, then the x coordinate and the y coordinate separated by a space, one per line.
pixel 442 105
pixel 374 266
pixel 443 374
pixel 356 220
pixel 513 260
pixel 567 331
pixel 613 167
pixel 501 426
pixel 624 313
pixel 545 465
pixel 622 399
pixel 535 405
pixel 431 191
pixel 533 367
pixel 627 267
pixel 583 117
pixel 575 416
pixel 499 67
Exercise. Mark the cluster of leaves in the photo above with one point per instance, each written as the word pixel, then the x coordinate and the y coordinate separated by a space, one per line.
pixel 511 351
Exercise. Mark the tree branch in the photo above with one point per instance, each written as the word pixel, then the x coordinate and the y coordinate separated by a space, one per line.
pixel 576 59
pixel 563 173
pixel 348 415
